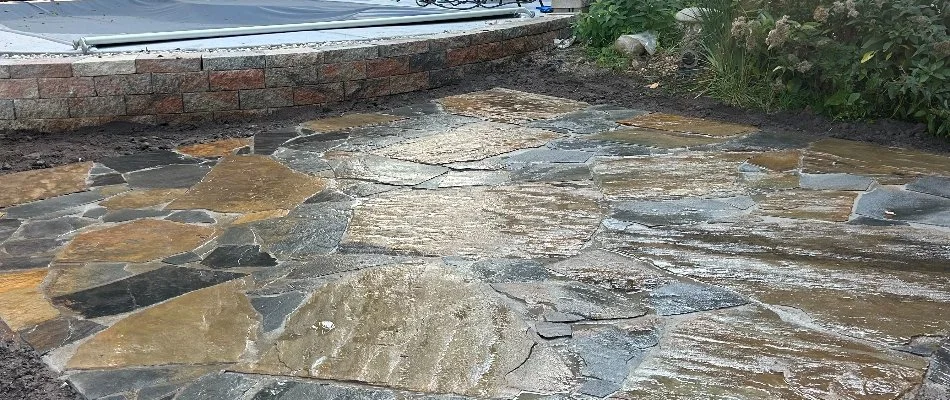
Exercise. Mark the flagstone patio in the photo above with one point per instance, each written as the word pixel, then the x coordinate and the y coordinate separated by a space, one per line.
pixel 497 244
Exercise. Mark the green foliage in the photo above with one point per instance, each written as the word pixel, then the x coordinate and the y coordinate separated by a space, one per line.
pixel 848 59
pixel 608 57
pixel 608 19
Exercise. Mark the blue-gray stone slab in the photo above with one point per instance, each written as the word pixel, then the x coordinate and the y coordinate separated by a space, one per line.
pixel 317 143
pixel 168 177
pixel 53 205
pixel 293 390
pixel 617 113
pixel 218 386
pixel 609 353
pixel 598 388
pixel 14 262
pixel 868 221
pixel 303 161
pixel 266 143
pixel 603 147
pixel 552 330
pixel 58 332
pixel 275 309
pixel 902 205
pixel 129 215
pixel 547 156
pixel 935 185
pixel 231 256
pixel 336 263
pixel 684 298
pixel 7 227
pixel 141 290
pixel 552 173
pixel 763 140
pixel 939 371
pixel 681 211
pixel 502 270
pixel 834 182
pixel 107 179
pixel 135 162
pixel 183 258
pixel 584 122
pixel 309 230
pixel 95 212
pixel 191 217
pixel 236 235
pixel 32 246
pixel 415 110
pixel 102 383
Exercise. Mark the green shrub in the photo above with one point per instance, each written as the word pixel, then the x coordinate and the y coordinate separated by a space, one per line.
pixel 608 19
pixel 848 59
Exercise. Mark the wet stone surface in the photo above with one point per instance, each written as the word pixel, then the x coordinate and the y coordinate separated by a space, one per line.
pixel 497 244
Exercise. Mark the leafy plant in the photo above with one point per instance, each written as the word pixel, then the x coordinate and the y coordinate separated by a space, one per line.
pixel 608 19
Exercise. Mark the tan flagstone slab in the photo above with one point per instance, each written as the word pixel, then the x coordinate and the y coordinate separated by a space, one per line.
pixel 888 165
pixel 27 186
pixel 217 148
pixel 211 325
pixel 348 121
pixel 511 106
pixel 777 161
pixel 678 123
pixel 70 278
pixel 470 142
pixel 751 353
pixel 532 220
pixel 707 175
pixel 883 284
pixel 142 198
pixel 137 241
pixel 260 216
pixel 415 327
pixel 834 206
pixel 657 138
pixel 22 303
pixel 771 181
pixel 245 184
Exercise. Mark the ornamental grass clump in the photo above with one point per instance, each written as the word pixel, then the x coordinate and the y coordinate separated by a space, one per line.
pixel 847 59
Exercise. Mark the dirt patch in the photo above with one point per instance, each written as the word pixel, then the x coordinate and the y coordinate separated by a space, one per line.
pixel 562 73
pixel 24 376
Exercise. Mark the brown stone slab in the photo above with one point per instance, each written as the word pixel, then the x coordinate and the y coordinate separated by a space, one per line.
pixel 833 206
pixel 656 138
pixel 218 148
pixel 211 325
pixel 777 161
pixel 22 303
pixel 752 353
pixel 511 106
pixel 419 327
pixel 678 123
pixel 136 241
pixel 348 121
pixel 23 187
pixel 888 165
pixel 245 184
pixel 469 142
pixel 706 175
pixel 532 220
pixel 142 198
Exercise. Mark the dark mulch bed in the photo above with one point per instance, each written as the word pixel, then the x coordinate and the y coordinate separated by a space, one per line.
pixel 24 376
pixel 559 73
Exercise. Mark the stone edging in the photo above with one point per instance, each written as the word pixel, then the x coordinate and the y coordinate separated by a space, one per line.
pixel 53 95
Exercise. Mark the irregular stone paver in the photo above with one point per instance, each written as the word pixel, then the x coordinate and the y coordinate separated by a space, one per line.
pixel 303 161
pixel 579 122
pixel 574 298
pixel 421 329
pixel 58 332
pixel 260 216
pixel 52 206
pixel 131 215
pixel 892 274
pixel 470 142
pixel 937 186
pixel 676 123
pixel 211 325
pixel 51 228
pixel 312 229
pixel 468 178
pixel 217 148
pixel 709 356
pixel 348 121
pixel 135 162
pixel 146 383
pixel 232 256
pixel 670 177
pixel 142 198
pixel 141 290
pixel 834 206
pixel 21 302
pixel 191 217
pixel 384 170
pixel 777 161
pixel 275 309
pixel 656 138
pixel 887 164
pixel 265 143
pixel 902 205
pixel 512 106
pixel 136 241
pixel 73 278
pixel 518 221
pixel 23 187
pixel 835 182
pixel 684 298
pixel 248 184
pixel 608 353
pixel 167 177
pixel 682 211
